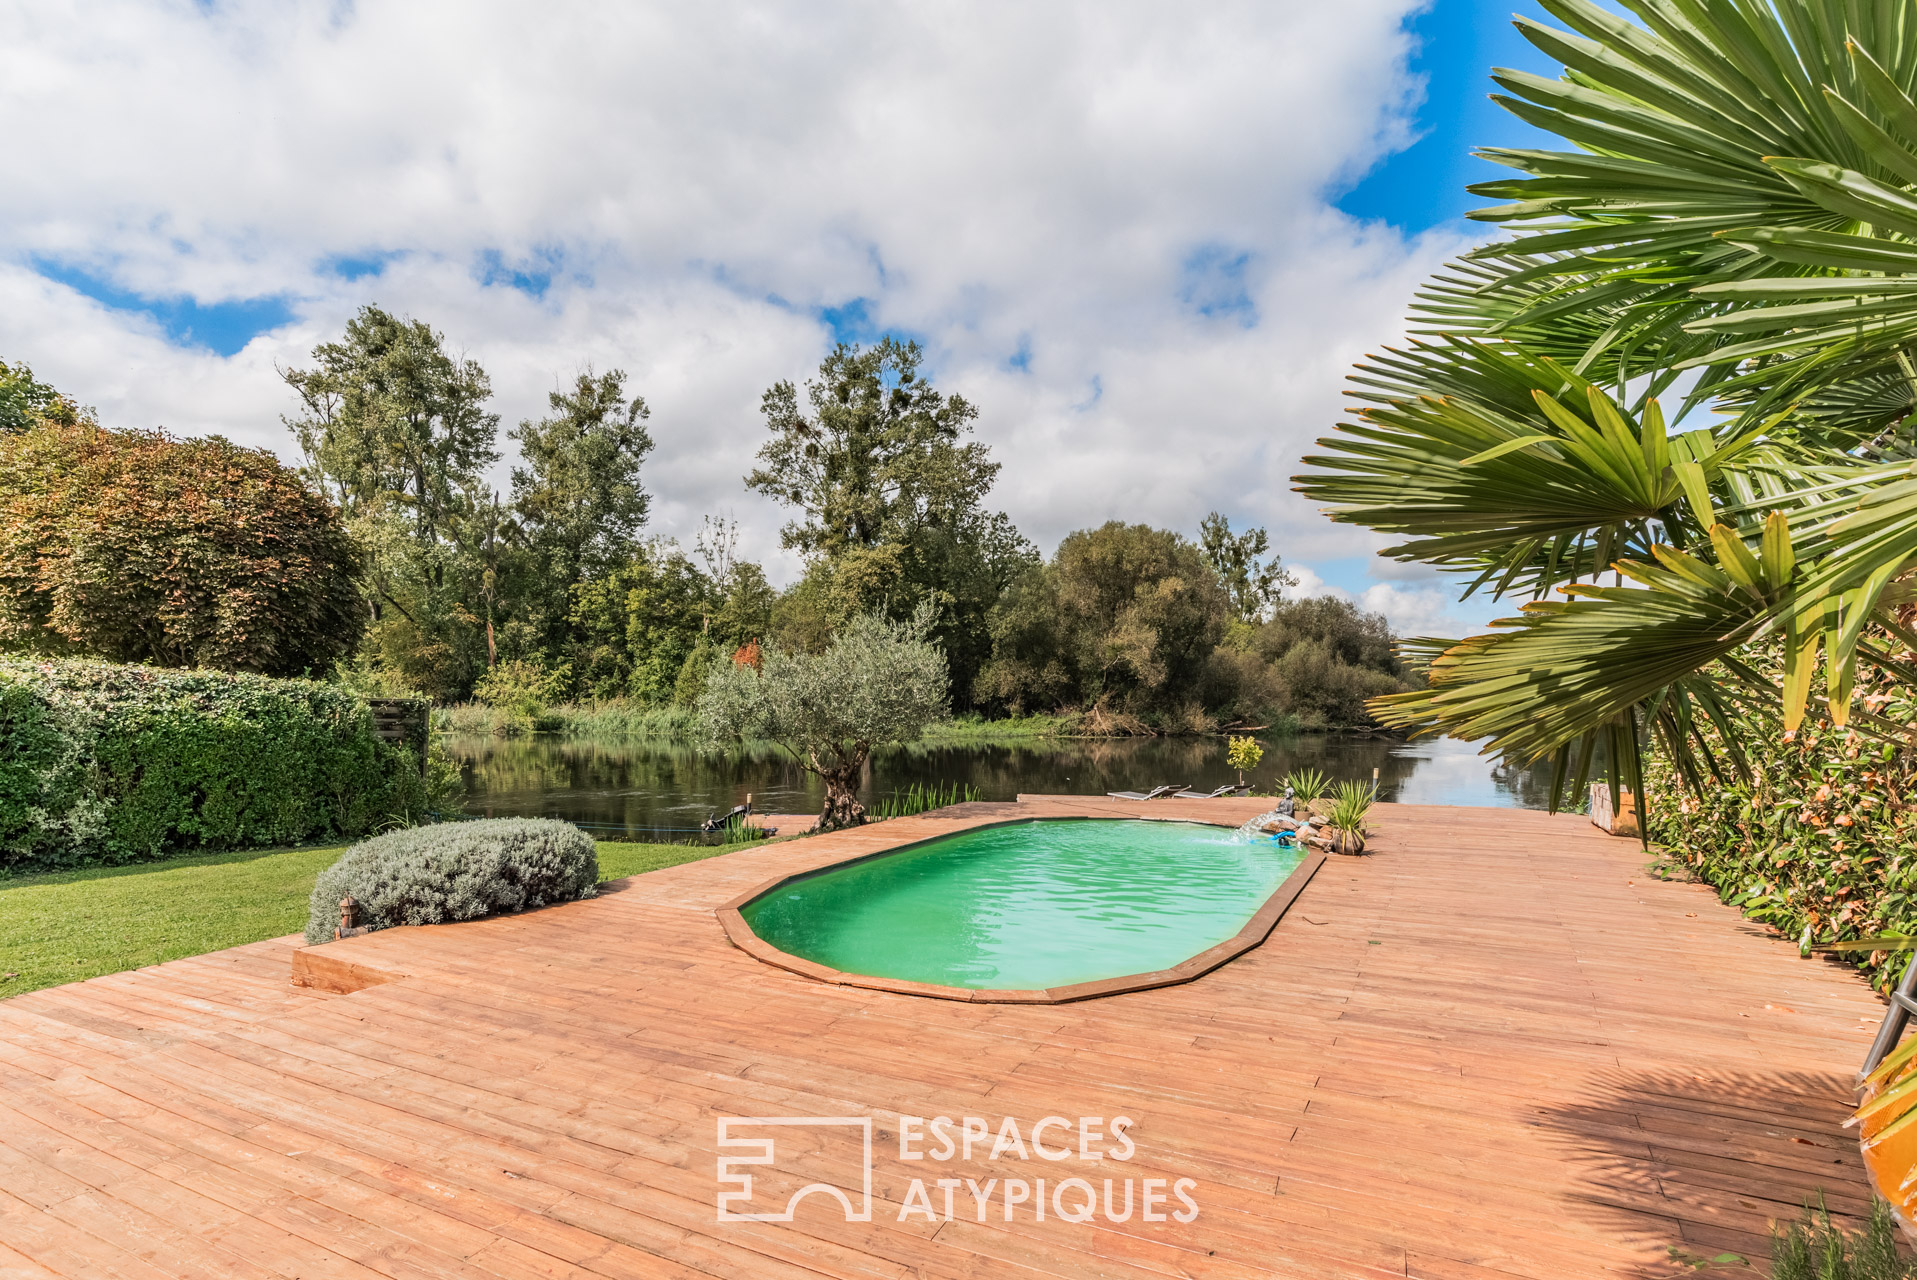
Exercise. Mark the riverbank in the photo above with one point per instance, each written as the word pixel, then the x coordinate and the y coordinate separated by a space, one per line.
pixel 646 789
pixel 627 722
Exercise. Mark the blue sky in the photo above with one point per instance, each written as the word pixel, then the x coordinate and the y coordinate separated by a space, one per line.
pixel 1458 42
pixel 1422 187
pixel 1127 230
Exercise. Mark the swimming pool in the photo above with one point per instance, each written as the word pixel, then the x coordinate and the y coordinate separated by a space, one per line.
pixel 1028 906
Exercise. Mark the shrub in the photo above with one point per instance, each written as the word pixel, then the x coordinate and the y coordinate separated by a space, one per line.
pixel 102 763
pixel 1815 1248
pixel 522 688
pixel 1820 843
pixel 455 871
pixel 617 720
pixel 620 719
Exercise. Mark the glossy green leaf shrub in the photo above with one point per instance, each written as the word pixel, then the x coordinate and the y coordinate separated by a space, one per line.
pixel 455 871
pixel 108 764
pixel 1820 842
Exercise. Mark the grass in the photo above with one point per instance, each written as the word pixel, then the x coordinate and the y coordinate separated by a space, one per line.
pixel 968 730
pixel 615 721
pixel 67 925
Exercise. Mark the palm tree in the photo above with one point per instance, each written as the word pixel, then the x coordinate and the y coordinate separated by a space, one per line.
pixel 1735 235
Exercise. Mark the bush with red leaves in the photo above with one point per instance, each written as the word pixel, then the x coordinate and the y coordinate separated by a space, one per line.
pixel 137 547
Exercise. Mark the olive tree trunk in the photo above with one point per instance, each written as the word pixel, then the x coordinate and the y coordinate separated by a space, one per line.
pixel 842 807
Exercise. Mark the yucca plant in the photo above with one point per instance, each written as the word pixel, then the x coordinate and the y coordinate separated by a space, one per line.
pixel 1309 784
pixel 1737 205
pixel 1350 801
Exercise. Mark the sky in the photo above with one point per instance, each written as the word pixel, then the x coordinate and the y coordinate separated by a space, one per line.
pixel 1147 240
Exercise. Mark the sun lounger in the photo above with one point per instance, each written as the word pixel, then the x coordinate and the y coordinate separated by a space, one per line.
pixel 1153 794
pixel 1230 788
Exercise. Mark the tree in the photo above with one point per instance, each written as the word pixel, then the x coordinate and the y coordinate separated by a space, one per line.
pixel 395 429
pixel 1242 754
pixel 1135 618
pixel 136 547
pixel 1740 210
pixel 881 455
pixel 742 599
pixel 1252 583
pixel 1143 608
pixel 1034 662
pixel 889 494
pixel 636 626
pixel 390 416
pixel 26 402
pixel 1345 631
pixel 878 682
pixel 578 497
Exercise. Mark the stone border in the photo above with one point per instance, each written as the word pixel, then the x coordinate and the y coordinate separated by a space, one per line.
pixel 1256 930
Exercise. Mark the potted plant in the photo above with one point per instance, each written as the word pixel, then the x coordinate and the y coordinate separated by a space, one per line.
pixel 1307 785
pixel 1349 804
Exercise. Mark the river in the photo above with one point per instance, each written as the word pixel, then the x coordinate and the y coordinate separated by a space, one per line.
pixel 663 790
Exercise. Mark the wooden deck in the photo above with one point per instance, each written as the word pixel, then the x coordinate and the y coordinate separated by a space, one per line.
pixel 1494 1049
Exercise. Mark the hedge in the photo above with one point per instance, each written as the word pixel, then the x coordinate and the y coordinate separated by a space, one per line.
pixel 455 871
pixel 108 764
pixel 1820 844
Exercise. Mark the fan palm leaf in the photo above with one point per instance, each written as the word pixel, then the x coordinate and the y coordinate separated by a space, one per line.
pixel 1738 207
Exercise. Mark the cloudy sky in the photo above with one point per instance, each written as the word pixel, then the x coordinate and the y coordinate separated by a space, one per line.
pixel 1147 239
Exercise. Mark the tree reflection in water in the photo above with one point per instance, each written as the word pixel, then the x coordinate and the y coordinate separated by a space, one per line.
pixel 650 786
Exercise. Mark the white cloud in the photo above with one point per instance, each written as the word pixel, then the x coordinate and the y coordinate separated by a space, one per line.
pixel 1131 195
pixel 1415 611
pixel 1411 611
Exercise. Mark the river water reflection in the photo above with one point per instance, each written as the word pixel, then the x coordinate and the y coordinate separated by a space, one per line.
pixel 645 787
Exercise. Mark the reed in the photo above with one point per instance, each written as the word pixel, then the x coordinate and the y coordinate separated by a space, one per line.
pixel 919 798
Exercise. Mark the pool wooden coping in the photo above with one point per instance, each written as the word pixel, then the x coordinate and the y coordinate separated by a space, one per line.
pixel 1256 930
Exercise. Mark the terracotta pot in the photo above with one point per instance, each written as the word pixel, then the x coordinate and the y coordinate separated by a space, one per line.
pixel 1347 842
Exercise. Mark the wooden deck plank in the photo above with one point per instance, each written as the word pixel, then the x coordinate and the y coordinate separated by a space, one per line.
pixel 1494 1049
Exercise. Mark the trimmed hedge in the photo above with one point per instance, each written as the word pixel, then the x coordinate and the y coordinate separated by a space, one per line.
pixel 108 764
pixel 455 871
pixel 1821 845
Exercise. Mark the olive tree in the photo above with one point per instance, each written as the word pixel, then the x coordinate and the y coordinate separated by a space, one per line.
pixel 877 682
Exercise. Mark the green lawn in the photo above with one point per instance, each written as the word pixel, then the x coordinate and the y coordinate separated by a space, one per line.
pixel 69 925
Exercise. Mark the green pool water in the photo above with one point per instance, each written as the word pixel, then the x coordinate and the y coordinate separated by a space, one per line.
pixel 1031 905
